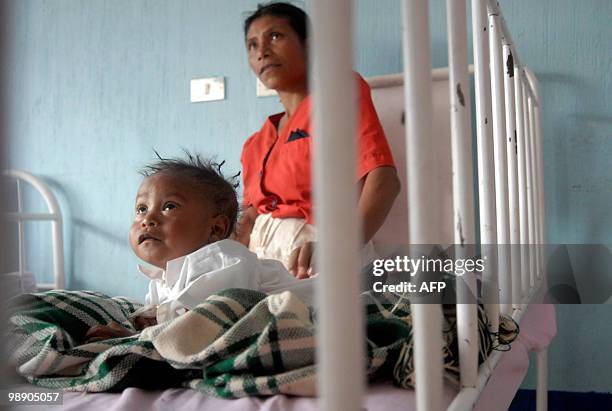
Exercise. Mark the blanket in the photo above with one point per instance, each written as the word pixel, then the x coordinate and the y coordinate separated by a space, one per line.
pixel 236 343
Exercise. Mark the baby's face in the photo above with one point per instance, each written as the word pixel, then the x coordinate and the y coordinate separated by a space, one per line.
pixel 172 219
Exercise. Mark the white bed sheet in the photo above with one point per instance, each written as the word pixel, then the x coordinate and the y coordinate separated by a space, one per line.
pixel 538 327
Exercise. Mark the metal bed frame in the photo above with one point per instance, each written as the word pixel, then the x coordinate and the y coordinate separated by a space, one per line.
pixel 510 192
pixel 54 216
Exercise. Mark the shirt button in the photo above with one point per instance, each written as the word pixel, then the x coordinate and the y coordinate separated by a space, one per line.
pixel 260 173
pixel 274 203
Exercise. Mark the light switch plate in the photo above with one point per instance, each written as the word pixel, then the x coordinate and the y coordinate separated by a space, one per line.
pixel 207 89
pixel 263 91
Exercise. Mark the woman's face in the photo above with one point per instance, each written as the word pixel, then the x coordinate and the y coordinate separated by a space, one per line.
pixel 276 54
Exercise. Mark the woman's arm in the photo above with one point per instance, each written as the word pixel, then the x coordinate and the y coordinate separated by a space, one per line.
pixel 243 230
pixel 380 187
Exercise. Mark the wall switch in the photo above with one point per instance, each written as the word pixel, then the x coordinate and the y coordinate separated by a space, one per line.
pixel 263 91
pixel 207 89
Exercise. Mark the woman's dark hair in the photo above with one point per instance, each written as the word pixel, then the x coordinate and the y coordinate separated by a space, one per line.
pixel 297 18
pixel 207 175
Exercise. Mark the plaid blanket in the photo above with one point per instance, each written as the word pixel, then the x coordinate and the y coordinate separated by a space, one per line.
pixel 237 343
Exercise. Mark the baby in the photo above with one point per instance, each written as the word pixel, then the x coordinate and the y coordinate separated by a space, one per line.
pixel 185 211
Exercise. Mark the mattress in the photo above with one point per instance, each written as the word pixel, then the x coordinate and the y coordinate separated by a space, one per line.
pixel 538 327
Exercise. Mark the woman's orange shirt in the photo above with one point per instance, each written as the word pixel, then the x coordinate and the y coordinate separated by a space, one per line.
pixel 276 168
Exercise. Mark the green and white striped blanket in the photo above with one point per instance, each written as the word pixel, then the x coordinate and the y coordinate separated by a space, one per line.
pixel 237 343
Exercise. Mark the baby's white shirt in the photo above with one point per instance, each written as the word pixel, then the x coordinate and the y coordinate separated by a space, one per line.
pixel 188 280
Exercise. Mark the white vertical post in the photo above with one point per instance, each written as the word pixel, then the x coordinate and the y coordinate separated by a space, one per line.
pixel 511 152
pixel 522 182
pixel 542 356
pixel 529 193
pixel 534 190
pixel 542 381
pixel 58 249
pixel 22 244
pixel 501 168
pixel 461 133
pixel 486 180
pixel 463 195
pixel 540 173
pixel 340 349
pixel 424 210
pixel 533 81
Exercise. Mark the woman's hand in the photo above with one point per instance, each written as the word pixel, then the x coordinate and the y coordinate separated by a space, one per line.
pixel 301 261
pixel 242 232
pixel 105 332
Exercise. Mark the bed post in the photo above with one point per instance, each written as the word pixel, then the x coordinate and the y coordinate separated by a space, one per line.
pixel 21 235
pixel 542 356
pixel 528 188
pixel 484 136
pixel 512 153
pixel 539 168
pixel 340 332
pixel 463 193
pixel 518 281
pixel 532 104
pixel 501 168
pixel 423 207
pixel 522 184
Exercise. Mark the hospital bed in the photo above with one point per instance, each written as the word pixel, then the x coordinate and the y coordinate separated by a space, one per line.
pixel 437 206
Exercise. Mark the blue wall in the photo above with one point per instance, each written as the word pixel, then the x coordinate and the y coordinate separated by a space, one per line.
pixel 95 86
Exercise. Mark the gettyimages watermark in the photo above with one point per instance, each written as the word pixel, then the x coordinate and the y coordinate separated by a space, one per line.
pixel 507 274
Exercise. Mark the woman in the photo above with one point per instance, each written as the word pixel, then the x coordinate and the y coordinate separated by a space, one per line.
pixel 277 218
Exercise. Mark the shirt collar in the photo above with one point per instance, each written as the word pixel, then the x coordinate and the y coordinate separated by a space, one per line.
pixel 169 275
pixel 274 119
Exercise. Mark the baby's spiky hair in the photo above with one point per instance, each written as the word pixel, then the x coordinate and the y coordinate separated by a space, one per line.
pixel 206 173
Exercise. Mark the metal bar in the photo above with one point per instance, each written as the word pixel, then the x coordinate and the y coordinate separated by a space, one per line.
pixel 539 172
pixel 533 82
pixel 484 135
pixel 542 382
pixel 461 133
pixel 534 185
pixel 340 360
pixel 423 178
pixel 394 80
pixel 513 201
pixel 423 205
pixel 493 8
pixel 529 187
pixel 501 167
pixel 523 185
pixel 522 180
pixel 463 195
pixel 22 246
pixel 58 252
pixel 31 217
pixel 540 169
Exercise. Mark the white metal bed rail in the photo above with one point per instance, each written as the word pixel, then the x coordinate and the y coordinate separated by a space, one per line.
pixel 510 173
pixel 54 216
pixel 340 363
